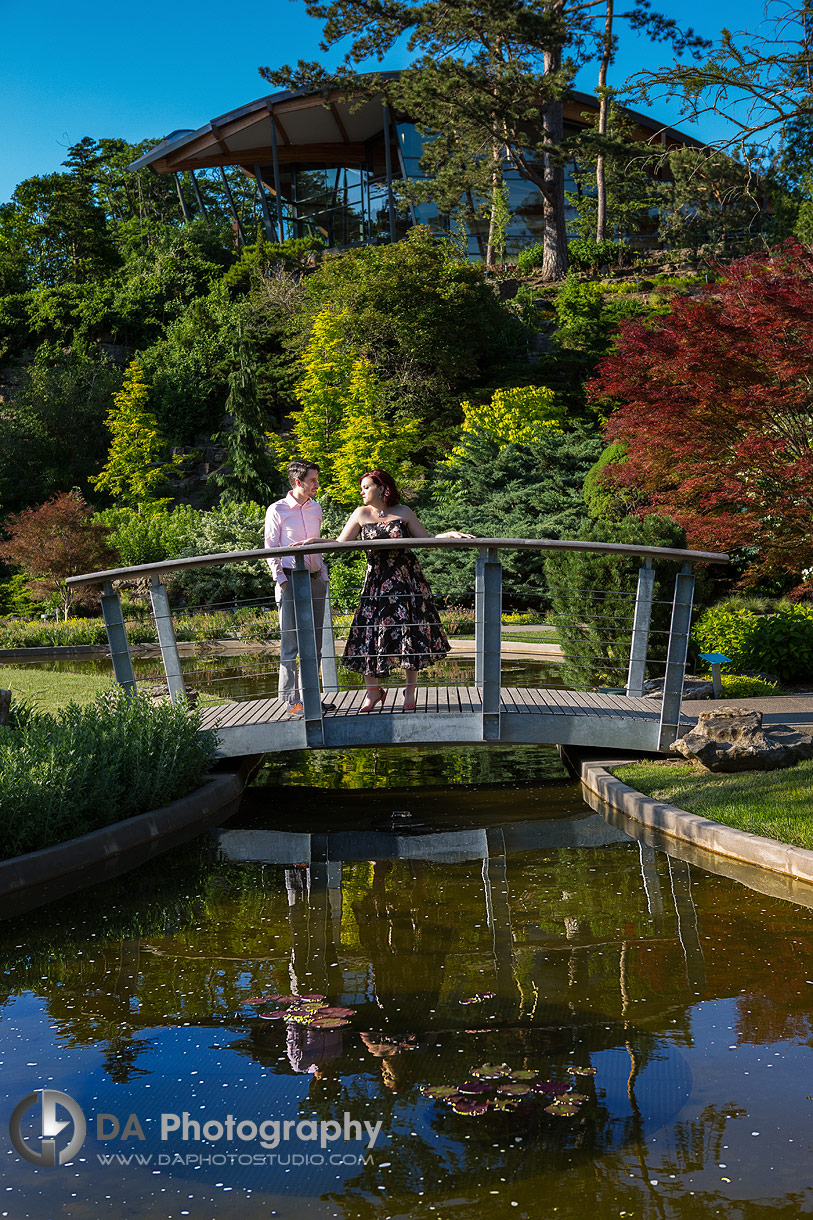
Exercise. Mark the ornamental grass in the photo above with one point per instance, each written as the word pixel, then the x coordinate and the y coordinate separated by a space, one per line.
pixel 81 768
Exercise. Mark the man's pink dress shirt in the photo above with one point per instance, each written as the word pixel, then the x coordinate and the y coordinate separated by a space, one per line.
pixel 287 521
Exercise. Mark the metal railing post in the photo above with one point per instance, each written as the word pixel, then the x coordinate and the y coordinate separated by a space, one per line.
pixel 117 639
pixel 308 656
pixel 640 629
pixel 489 619
pixel 330 677
pixel 679 630
pixel 166 639
pixel 479 617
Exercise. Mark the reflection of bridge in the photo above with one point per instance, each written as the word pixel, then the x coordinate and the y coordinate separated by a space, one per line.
pixel 486 711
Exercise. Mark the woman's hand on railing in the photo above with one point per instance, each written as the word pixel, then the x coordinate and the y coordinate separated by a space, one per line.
pixel 454 534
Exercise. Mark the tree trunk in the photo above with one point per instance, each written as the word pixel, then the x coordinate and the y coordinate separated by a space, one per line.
pixel 555 261
pixel 603 107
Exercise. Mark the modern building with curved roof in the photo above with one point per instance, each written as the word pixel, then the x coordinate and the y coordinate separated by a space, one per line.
pixel 327 165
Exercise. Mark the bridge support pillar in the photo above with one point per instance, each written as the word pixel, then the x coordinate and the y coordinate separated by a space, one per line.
pixel 679 630
pixel 488 639
pixel 117 639
pixel 166 639
pixel 308 655
pixel 640 630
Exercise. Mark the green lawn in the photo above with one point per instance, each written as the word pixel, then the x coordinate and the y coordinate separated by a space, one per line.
pixel 49 690
pixel 777 804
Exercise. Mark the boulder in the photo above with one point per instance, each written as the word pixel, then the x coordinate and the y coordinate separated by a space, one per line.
pixel 693 688
pixel 733 739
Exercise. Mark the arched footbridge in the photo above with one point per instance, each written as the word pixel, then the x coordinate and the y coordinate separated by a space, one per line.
pixel 626 631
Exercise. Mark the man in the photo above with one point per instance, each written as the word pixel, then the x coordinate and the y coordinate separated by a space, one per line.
pixel 296 519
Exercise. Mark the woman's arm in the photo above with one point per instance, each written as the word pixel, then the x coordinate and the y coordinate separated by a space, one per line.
pixel 417 530
pixel 352 527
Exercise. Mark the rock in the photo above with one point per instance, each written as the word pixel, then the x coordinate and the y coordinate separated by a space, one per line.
pixel 733 739
pixel 160 691
pixel 693 688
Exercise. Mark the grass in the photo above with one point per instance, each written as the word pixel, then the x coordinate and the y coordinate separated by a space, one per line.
pixel 50 691
pixel 777 804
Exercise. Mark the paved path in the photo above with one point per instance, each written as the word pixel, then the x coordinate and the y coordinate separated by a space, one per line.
pixel 796 710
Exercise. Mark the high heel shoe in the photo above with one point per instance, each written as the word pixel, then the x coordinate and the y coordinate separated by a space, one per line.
pixel 375 695
pixel 409 700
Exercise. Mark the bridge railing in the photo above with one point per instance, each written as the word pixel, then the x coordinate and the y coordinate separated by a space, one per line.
pixel 623 659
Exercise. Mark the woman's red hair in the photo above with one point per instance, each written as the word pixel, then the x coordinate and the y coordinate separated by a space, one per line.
pixel 387 484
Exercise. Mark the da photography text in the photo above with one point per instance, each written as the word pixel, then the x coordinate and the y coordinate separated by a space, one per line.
pixel 48 1127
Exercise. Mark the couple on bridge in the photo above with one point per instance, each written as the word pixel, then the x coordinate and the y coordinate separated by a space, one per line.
pixel 396 625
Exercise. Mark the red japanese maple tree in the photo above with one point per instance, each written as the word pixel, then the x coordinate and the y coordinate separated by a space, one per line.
pixel 54 541
pixel 714 403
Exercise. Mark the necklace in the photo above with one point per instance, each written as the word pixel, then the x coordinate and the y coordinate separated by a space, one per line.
pixel 383 512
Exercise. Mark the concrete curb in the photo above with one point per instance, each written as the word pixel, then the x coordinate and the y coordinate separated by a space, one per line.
pixel 748 855
pixel 38 877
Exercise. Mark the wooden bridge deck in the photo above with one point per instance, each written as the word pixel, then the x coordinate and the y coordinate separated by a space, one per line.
pixel 452 714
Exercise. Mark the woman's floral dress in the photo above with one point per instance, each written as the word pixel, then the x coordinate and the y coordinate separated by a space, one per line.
pixel 396 625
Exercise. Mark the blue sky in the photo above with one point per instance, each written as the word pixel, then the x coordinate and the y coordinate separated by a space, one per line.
pixel 141 71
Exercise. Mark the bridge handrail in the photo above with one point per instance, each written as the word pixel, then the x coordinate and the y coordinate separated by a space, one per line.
pixel 327 547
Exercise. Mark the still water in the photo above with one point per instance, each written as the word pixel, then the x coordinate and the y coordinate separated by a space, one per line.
pixel 469 923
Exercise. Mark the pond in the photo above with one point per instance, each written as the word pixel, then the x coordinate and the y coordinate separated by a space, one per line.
pixel 245 676
pixel 515 1009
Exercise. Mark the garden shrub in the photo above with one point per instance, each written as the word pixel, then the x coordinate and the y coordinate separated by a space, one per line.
pixel 230 527
pixel 86 767
pixel 779 643
pixel 740 686
pixel 150 536
pixel 729 631
pixel 530 258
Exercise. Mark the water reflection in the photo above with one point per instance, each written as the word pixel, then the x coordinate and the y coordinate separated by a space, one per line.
pixel 529 934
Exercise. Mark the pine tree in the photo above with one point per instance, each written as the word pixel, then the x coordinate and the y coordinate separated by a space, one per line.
pixel 249 472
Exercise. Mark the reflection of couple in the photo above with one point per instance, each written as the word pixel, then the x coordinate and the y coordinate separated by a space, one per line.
pixel 397 625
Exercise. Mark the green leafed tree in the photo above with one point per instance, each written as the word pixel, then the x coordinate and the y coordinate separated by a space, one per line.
pixel 52 434
pixel 134 470
pixel 342 425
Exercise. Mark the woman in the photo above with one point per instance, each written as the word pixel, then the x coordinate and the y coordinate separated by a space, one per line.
pixel 396 625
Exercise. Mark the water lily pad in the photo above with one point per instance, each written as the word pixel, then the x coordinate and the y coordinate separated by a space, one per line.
pixel 474 1086
pixel 580 1071
pixel 272 1016
pixel 325 1011
pixel 551 1087
pixel 327 1022
pixel 471 1105
pixel 441 1092
pixel 311 997
pixel 561 1109
pixel 523 1074
pixel 576 1097
pixel 506 1103
pixel 514 1088
pixel 490 1071
pixel 263 999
